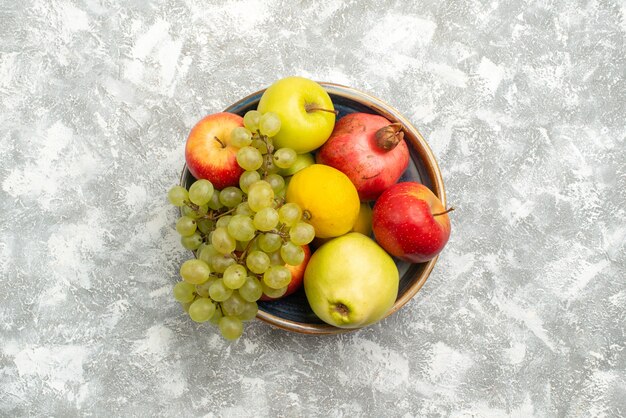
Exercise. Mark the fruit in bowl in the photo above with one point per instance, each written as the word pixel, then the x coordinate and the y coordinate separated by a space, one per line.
pixel 351 281
pixel 370 150
pixel 250 236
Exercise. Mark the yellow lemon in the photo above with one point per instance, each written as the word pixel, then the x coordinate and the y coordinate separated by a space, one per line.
pixel 328 199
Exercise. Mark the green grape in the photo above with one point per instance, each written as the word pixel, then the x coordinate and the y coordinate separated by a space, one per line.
pixel 302 233
pixel 222 241
pixel 249 311
pixel 251 290
pixel 257 262
pixel 201 310
pixel 240 137
pixel 231 327
pixel 285 157
pixel 219 292
pixel 186 226
pixel 205 252
pixel 244 209
pixel 270 242
pixel 219 263
pixel 215 203
pixel 235 276
pixel 260 146
pixel 183 292
pixel 251 120
pixel 276 259
pixel 241 228
pixel 249 158
pixel 177 195
pixel 200 192
pixel 203 289
pixel 191 213
pixel 289 214
pixel 273 293
pixel 215 319
pixel 194 214
pixel 234 304
pixel 195 271
pixel 276 181
pixel 281 193
pixel 205 225
pixel 191 242
pixel 269 124
pixel 277 277
pixel 260 195
pixel 203 210
pixel 231 197
pixel 247 178
pixel 223 221
pixel 292 254
pixel 266 219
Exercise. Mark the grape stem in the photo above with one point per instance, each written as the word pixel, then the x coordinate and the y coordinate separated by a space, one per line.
pixel 229 211
pixel 279 232
pixel 270 150
pixel 193 206
pixel 243 255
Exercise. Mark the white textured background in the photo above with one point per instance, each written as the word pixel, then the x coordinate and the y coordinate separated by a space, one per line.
pixel 523 104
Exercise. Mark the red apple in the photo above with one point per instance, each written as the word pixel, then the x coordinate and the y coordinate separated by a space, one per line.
pixel 297 275
pixel 410 222
pixel 208 151
pixel 369 149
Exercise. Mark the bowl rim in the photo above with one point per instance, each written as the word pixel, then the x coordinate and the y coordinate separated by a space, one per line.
pixel 433 172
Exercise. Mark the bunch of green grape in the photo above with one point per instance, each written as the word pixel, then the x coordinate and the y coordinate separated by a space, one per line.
pixel 243 237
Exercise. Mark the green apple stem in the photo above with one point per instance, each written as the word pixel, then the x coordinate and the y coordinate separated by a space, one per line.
pixel 339 312
pixel 220 141
pixel 341 309
pixel 312 108
pixel 444 212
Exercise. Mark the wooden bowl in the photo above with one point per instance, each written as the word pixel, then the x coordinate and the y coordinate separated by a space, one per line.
pixel 293 313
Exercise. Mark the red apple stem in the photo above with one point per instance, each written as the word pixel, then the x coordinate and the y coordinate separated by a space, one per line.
pixel 444 212
pixel 313 108
pixel 220 141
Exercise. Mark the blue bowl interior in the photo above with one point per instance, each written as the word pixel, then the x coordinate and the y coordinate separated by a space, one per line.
pixel 296 307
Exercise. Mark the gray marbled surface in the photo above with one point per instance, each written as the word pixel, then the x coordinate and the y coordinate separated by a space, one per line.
pixel 523 104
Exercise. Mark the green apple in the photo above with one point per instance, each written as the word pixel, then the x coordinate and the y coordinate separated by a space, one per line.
pixel 302 161
pixel 351 282
pixel 306 113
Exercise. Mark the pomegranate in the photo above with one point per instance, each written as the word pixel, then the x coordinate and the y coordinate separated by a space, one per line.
pixel 370 150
